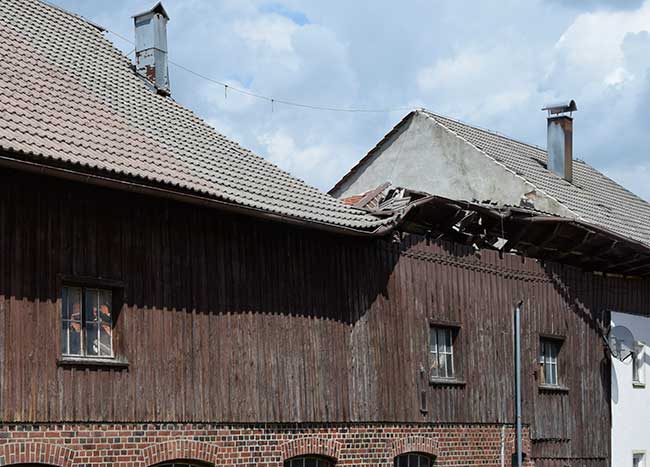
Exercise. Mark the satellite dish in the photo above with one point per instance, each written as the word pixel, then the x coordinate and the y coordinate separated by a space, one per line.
pixel 621 343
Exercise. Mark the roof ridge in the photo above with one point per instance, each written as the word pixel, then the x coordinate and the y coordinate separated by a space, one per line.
pixel 505 166
pixel 74 15
pixel 486 130
pixel 602 174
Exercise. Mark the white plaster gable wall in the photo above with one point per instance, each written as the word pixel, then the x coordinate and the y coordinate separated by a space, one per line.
pixel 425 156
pixel 630 404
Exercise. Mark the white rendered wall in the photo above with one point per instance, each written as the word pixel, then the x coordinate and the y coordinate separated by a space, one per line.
pixel 630 403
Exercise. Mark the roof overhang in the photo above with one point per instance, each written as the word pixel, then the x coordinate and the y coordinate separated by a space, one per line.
pixel 513 230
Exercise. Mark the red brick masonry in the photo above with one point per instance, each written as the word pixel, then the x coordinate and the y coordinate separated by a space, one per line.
pixel 143 445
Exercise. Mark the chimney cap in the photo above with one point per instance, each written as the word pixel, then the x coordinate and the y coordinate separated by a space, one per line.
pixel 157 8
pixel 561 107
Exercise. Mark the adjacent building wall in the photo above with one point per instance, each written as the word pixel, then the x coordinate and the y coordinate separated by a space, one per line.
pixel 425 156
pixel 631 401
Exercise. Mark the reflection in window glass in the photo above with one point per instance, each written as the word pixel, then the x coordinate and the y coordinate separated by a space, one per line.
pixel 71 321
pixel 442 353
pixel 638 371
pixel 638 459
pixel 86 322
pixel 549 350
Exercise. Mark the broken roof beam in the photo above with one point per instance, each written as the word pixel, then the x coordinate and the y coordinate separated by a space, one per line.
pixel 631 263
pixel 371 195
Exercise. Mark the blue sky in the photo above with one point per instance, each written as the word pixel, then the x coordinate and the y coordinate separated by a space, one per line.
pixel 490 63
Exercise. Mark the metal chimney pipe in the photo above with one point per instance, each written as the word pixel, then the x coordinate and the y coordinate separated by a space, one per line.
pixel 560 146
pixel 560 139
pixel 151 47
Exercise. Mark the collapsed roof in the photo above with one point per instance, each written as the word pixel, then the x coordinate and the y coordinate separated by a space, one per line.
pixel 509 229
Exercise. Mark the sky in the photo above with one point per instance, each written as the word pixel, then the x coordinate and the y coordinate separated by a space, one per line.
pixel 493 64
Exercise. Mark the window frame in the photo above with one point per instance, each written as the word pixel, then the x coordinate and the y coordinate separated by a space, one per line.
pixel 117 298
pixel 453 330
pixel 325 461
pixel 182 462
pixel 638 366
pixel 557 342
pixel 419 456
pixel 642 454
pixel 85 323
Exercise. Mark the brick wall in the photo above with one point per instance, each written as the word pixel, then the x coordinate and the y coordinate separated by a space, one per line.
pixel 142 445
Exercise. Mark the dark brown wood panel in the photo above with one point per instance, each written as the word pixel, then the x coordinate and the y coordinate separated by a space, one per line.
pixel 228 318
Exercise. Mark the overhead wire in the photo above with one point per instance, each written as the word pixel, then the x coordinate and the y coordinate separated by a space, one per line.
pixel 272 100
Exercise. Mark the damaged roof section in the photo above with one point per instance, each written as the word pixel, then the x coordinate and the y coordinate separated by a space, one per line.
pixel 436 154
pixel 509 229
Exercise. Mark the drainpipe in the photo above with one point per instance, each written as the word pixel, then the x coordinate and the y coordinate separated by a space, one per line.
pixel 518 381
pixel 503 446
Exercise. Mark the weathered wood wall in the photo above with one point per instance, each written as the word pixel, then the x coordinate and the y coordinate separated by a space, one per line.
pixel 230 318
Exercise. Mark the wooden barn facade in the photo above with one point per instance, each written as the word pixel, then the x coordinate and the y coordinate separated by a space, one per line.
pixel 168 298
pixel 238 341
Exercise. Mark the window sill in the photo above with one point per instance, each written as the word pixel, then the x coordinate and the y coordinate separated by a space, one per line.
pixel 638 384
pixel 89 362
pixel 553 388
pixel 446 382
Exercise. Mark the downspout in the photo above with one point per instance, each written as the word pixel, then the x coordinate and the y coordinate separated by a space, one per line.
pixel 518 382
pixel 503 446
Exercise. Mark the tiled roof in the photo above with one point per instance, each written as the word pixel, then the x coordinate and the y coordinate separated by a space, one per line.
pixel 593 197
pixel 67 95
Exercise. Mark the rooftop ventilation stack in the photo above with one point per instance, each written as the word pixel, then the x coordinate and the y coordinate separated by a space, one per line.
pixel 151 47
pixel 560 138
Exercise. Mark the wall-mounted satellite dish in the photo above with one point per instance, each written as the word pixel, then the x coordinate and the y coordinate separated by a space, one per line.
pixel 621 343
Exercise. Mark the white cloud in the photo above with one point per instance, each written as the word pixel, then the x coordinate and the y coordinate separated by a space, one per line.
pixel 272 31
pixel 618 77
pixel 228 99
pixel 450 71
pixel 302 161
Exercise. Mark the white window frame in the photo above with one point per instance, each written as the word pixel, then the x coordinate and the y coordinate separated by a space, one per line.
pixel 638 366
pixel 83 321
pixel 439 353
pixel 635 456
pixel 549 352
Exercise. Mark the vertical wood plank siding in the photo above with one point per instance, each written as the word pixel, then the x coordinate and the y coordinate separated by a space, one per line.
pixel 229 318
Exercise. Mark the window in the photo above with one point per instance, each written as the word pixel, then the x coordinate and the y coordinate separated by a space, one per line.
pixel 308 461
pixel 638 369
pixel 87 322
pixel 179 464
pixel 413 460
pixel 549 350
pixel 638 459
pixel 441 352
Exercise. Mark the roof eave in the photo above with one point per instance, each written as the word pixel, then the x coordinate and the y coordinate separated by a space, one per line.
pixel 131 184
